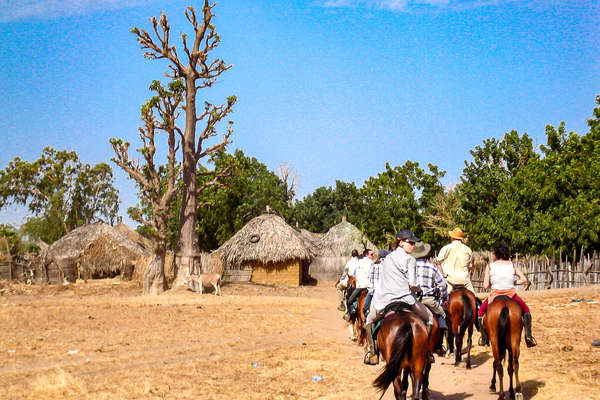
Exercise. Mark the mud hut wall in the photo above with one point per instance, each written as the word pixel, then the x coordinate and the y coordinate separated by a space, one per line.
pixel 6 270
pixel 287 273
pixel 327 269
pixel 238 275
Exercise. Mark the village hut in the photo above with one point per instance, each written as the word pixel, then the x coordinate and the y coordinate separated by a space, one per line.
pixel 266 250
pixel 93 251
pixel 134 236
pixel 335 248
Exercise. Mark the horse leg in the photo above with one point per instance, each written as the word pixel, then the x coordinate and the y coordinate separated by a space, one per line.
pixel 458 351
pixel 425 390
pixel 449 342
pixel 401 385
pixel 493 383
pixel 498 367
pixel 469 343
pixel 511 390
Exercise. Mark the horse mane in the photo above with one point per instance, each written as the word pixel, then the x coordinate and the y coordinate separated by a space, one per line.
pixel 402 345
pixel 467 312
pixel 503 329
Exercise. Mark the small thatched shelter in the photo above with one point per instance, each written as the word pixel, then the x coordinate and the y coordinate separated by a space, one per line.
pixel 266 250
pixel 134 236
pixel 335 248
pixel 92 251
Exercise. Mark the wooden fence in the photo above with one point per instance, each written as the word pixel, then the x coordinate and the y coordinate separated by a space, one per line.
pixel 548 272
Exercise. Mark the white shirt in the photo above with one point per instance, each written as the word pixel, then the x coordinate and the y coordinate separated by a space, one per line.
pixel 362 272
pixel 351 266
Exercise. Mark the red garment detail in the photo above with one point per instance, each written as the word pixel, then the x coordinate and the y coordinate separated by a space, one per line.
pixel 484 305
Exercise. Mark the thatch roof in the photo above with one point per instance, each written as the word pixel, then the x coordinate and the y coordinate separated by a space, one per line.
pixel 134 236
pixel 266 239
pixel 312 238
pixel 97 247
pixel 341 239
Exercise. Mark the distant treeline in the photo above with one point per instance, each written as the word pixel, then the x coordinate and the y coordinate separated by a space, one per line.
pixel 540 200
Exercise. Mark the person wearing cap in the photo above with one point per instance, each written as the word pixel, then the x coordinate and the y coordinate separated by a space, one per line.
pixel 342 283
pixel 433 285
pixel 397 282
pixel 361 273
pixel 454 261
pixel 373 279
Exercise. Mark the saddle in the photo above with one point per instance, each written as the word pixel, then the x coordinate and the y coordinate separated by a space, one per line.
pixel 501 297
pixel 457 287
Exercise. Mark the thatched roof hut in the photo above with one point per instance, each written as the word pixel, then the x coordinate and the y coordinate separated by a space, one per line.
pixel 335 248
pixel 266 250
pixel 341 239
pixel 94 250
pixel 134 236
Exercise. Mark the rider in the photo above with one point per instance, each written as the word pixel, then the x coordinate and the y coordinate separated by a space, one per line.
pixel 374 278
pixel 361 273
pixel 431 281
pixel 500 276
pixel 342 283
pixel 397 282
pixel 454 261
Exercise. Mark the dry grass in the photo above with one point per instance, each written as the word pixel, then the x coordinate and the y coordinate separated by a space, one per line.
pixel 102 340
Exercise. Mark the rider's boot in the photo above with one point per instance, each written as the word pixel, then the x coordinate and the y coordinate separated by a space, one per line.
pixel 529 339
pixel 370 357
pixel 483 340
pixel 429 326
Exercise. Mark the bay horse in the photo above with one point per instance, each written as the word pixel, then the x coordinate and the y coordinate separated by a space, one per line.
pixel 356 325
pixel 403 343
pixel 461 316
pixel 503 325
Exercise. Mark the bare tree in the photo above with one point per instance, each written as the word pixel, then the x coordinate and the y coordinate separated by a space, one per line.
pixel 157 183
pixel 290 179
pixel 447 206
pixel 196 73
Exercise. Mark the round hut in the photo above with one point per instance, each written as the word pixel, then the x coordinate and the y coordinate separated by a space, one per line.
pixel 266 250
pixel 92 251
pixel 335 248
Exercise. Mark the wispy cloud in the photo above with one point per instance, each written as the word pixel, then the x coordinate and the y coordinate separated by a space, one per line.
pixel 18 10
pixel 409 5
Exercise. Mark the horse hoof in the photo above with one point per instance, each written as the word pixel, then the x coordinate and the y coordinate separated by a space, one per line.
pixel 518 396
pixel 493 388
pixel 468 365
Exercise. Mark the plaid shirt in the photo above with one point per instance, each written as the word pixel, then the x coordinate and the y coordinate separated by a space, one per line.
pixel 428 277
pixel 374 276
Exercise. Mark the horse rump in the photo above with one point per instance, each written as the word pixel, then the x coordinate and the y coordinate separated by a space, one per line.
pixel 401 347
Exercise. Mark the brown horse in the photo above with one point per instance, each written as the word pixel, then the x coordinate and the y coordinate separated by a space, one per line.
pixel 503 325
pixel 462 312
pixel 357 321
pixel 402 341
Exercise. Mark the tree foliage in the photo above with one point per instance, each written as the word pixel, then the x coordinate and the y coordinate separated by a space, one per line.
pixel 60 191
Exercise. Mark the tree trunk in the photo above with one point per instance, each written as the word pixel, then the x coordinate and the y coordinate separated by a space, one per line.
pixel 187 241
pixel 154 277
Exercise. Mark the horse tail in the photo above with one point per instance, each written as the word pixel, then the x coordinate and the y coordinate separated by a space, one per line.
pixel 401 346
pixel 503 329
pixel 467 312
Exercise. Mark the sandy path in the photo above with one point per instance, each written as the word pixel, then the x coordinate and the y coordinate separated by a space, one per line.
pixel 447 381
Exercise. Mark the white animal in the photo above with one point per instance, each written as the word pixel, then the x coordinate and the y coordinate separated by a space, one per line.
pixel 198 282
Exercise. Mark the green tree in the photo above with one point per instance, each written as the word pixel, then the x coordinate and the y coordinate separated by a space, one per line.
pixel 59 189
pixel 399 198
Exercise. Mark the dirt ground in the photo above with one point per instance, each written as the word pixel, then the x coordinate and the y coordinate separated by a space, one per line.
pixel 103 340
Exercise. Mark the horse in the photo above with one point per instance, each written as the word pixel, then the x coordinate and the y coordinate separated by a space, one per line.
pixel 357 321
pixel 461 316
pixel 403 343
pixel 503 325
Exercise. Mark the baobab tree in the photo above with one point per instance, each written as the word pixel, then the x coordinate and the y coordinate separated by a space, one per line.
pixel 157 184
pixel 196 71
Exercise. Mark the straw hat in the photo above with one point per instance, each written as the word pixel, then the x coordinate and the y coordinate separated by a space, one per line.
pixel 421 250
pixel 456 233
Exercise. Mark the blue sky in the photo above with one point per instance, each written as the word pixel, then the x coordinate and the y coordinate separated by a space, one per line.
pixel 335 88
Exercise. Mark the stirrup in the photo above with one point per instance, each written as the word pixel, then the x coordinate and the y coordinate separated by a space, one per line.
pixel 367 359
